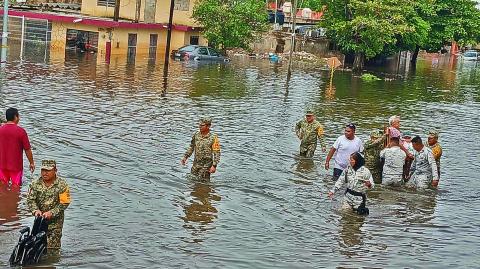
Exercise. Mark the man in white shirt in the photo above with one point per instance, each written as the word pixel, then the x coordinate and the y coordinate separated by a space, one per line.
pixel 394 158
pixel 343 147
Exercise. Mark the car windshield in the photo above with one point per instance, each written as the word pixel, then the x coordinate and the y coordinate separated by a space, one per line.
pixel 187 49
pixel 470 54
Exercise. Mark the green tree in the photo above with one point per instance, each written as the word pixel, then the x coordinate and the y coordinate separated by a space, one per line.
pixel 315 5
pixel 231 23
pixel 454 20
pixel 367 27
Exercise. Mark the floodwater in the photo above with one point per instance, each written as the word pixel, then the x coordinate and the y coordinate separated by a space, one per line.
pixel 118 137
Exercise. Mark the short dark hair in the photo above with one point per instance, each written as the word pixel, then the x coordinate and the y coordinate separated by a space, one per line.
pixel 395 139
pixel 417 140
pixel 11 113
pixel 351 126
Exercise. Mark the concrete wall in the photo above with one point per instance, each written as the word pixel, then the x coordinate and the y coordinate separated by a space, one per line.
pixel 182 14
pixel 280 44
pixel 119 39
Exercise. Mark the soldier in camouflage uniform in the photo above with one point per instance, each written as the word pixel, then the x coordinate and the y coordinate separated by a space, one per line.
pixel 48 197
pixel 309 130
pixel 207 151
pixel 424 171
pixel 373 147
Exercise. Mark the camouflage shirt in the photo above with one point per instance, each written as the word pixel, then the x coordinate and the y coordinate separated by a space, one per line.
pixel 424 164
pixel 308 133
pixel 355 180
pixel 206 148
pixel 373 147
pixel 54 198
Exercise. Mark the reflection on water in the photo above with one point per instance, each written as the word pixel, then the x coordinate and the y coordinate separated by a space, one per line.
pixel 200 212
pixel 9 212
pixel 350 233
pixel 118 135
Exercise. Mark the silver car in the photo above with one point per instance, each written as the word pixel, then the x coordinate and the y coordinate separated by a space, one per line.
pixel 471 55
pixel 198 53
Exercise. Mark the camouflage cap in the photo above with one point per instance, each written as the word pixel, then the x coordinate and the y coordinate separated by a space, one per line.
pixel 206 120
pixel 433 133
pixel 48 164
pixel 376 134
pixel 309 113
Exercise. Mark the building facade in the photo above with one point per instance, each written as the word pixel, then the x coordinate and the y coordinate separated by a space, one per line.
pixel 140 30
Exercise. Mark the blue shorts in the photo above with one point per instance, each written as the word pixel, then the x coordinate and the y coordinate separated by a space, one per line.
pixel 337 173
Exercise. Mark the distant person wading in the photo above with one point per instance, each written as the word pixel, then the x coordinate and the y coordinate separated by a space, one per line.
pixel 309 131
pixel 206 147
pixel 13 142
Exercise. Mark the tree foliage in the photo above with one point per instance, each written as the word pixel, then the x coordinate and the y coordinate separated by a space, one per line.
pixel 231 23
pixel 454 20
pixel 315 5
pixel 385 27
pixel 366 27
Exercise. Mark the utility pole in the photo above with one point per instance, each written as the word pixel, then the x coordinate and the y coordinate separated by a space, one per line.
pixel 292 49
pixel 116 12
pixel 137 12
pixel 167 47
pixel 4 32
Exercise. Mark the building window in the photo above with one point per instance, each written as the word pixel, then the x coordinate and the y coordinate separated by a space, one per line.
pixel 182 5
pixel 194 40
pixel 82 40
pixel 152 50
pixel 106 3
pixel 132 47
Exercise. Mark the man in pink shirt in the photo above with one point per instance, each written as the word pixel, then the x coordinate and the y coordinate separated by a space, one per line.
pixel 13 141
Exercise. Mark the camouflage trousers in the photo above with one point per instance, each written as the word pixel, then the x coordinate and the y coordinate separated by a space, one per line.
pixel 392 180
pixel 54 237
pixel 308 150
pixel 420 181
pixel 376 174
pixel 201 171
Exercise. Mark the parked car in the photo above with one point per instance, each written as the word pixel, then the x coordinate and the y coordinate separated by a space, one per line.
pixel 471 55
pixel 310 30
pixel 196 52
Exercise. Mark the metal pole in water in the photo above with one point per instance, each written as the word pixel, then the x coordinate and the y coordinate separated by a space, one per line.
pixel 167 47
pixel 5 31
pixel 46 44
pixel 22 37
pixel 292 49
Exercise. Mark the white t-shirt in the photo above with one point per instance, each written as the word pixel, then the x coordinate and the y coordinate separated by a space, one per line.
pixel 394 160
pixel 344 148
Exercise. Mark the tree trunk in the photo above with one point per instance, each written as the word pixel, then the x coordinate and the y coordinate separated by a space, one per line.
pixel 358 62
pixel 415 56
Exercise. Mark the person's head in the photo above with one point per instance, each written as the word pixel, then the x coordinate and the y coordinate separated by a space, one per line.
pixel 356 160
pixel 204 125
pixel 432 137
pixel 417 143
pixel 12 115
pixel 394 141
pixel 394 121
pixel 309 116
pixel 49 170
pixel 350 131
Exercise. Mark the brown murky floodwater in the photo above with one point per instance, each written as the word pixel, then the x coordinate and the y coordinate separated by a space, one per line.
pixel 118 138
